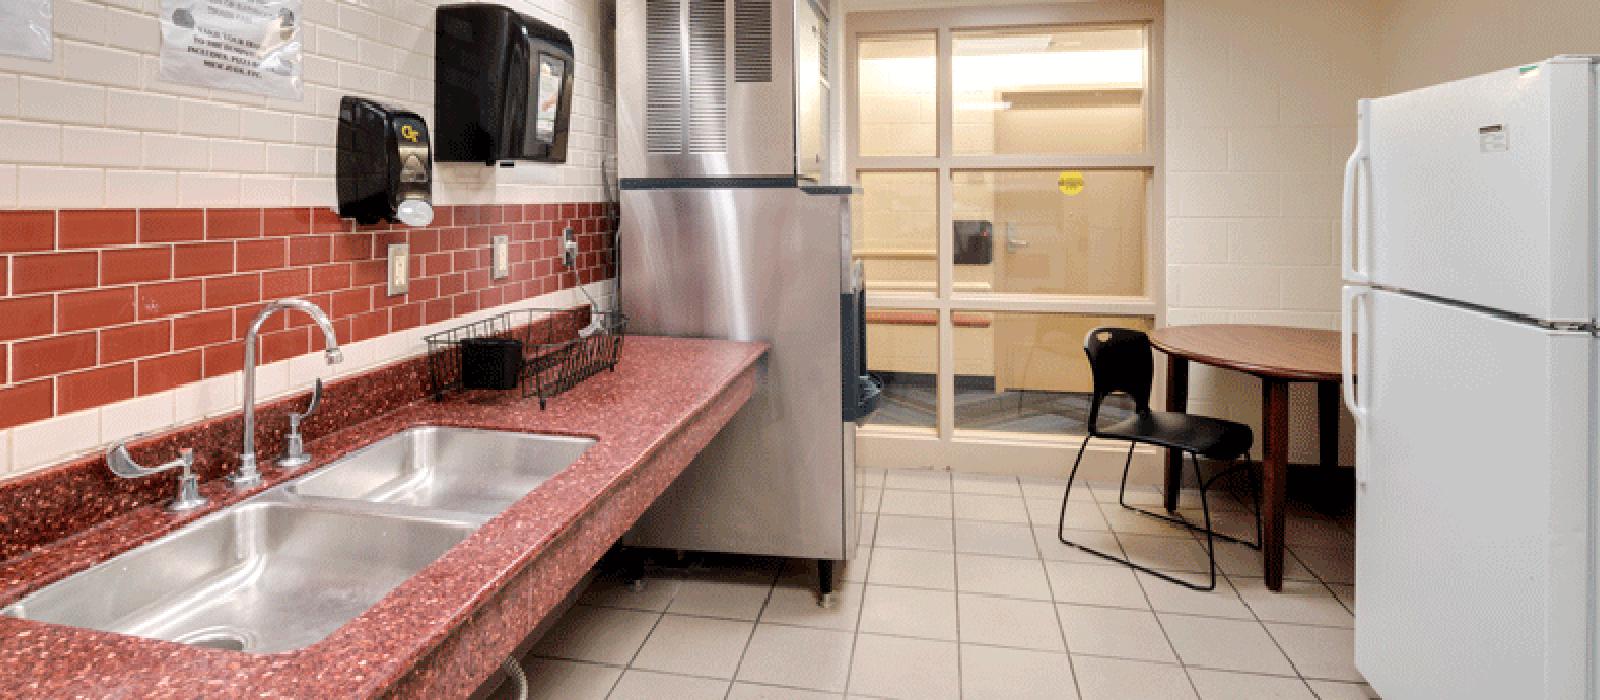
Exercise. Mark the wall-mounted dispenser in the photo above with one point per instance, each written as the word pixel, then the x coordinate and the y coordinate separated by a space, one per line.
pixel 385 164
pixel 502 86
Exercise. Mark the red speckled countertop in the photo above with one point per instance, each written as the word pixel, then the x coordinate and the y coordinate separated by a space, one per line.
pixel 444 631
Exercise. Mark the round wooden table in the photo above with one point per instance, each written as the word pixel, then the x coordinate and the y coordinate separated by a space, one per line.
pixel 1278 356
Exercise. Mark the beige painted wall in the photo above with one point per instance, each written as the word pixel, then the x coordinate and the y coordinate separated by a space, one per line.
pixel 1424 42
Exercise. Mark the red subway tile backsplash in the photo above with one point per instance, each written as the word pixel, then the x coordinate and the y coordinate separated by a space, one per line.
pixel 53 272
pixel 95 387
pixel 98 306
pixel 27 230
pixel 97 228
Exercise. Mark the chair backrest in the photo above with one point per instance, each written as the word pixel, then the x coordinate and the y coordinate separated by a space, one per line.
pixel 1120 361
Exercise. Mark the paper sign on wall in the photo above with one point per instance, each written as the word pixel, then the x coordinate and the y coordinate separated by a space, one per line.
pixel 241 45
pixel 25 28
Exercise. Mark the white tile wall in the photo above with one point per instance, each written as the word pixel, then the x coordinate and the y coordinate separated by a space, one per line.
pixel 1260 116
pixel 136 140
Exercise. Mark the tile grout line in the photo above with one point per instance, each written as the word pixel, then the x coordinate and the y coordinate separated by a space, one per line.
pixel 1055 606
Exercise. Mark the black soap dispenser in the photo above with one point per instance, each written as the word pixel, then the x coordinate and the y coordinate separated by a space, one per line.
pixel 385 163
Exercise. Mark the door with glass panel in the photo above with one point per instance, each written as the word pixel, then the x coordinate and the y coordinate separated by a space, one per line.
pixel 1010 173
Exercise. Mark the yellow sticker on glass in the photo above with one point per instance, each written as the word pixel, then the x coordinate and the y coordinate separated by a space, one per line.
pixel 1070 182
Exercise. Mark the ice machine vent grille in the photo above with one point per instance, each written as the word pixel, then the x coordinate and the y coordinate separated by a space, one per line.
pixel 752 41
pixel 664 76
pixel 708 76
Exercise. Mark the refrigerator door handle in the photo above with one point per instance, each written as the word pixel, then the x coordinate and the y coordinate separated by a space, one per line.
pixel 1356 250
pixel 1350 228
pixel 1350 351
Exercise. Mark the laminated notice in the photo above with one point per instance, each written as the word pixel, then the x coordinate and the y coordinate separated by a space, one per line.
pixel 240 45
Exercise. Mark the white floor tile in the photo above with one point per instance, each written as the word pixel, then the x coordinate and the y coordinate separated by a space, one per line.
pixel 1102 678
pixel 1051 488
pixel 613 592
pixel 913 669
pixel 1005 509
pixel 1346 594
pixel 1081 515
pixel 1008 622
pixel 1238 560
pixel 1051 548
pixel 1331 564
pixel 1123 520
pixel 752 691
pixel 1018 578
pixel 1127 634
pixel 989 484
pixel 722 593
pixel 1166 596
pixel 994 673
pixel 644 685
pixel 917 480
pixel 1225 685
pixel 928 504
pixel 907 532
pixel 794 602
pixel 1300 602
pixel 854 570
pixel 1171 554
pixel 1317 532
pixel 909 612
pixel 798 657
pixel 1326 653
pixel 695 646
pixel 1229 645
pixel 910 567
pixel 1091 584
pixel 549 679
pixel 605 635
pixel 1329 690
pixel 997 539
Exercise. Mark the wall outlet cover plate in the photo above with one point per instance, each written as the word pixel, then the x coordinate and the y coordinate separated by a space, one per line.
pixel 501 267
pixel 399 268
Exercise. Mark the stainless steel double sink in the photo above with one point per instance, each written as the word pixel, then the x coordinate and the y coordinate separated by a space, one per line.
pixel 284 569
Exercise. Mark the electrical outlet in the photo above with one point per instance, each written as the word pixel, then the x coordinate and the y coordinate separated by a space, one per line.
pixel 500 266
pixel 399 268
pixel 569 248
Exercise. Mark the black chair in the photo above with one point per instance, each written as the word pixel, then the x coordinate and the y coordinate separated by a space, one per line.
pixel 1120 360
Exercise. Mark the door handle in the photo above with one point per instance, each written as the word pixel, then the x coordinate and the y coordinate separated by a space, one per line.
pixel 1013 244
pixel 1352 351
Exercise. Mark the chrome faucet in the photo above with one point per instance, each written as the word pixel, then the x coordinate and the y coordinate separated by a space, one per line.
pixel 248 475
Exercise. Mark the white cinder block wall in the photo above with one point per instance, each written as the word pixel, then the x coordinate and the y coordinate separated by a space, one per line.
pixel 1261 116
pixel 95 127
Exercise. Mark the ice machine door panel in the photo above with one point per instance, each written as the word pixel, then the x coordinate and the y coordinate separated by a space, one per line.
pixel 1472 522
pixel 1482 190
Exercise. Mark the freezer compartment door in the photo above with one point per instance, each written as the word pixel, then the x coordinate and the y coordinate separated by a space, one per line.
pixel 1482 190
pixel 1472 525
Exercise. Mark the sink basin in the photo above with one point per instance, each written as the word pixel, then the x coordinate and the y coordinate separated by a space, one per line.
pixel 452 469
pixel 261 577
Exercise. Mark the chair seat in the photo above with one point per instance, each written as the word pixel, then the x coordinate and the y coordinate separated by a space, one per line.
pixel 1210 437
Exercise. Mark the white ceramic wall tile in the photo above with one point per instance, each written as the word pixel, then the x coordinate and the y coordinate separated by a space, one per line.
pixel 106 74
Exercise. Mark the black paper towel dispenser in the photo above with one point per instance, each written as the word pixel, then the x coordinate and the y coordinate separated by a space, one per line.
pixel 502 86
pixel 385 164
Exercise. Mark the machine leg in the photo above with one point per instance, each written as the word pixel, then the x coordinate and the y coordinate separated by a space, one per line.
pixel 825 582
pixel 633 569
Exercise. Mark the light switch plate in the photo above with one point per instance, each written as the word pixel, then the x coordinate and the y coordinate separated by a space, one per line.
pixel 399 268
pixel 501 265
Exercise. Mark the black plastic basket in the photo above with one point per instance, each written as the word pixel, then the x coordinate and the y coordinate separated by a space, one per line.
pixel 560 347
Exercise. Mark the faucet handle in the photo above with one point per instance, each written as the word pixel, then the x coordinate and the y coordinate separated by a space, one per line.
pixel 294 445
pixel 188 498
pixel 316 400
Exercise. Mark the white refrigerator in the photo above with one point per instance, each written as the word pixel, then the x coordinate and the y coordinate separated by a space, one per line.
pixel 1470 259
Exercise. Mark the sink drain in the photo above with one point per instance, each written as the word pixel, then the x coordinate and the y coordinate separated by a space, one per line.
pixel 215 638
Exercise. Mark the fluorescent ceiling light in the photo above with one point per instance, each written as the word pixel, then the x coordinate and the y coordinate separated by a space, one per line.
pixel 1023 71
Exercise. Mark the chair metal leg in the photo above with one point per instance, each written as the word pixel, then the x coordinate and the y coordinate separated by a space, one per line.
pixel 1205 509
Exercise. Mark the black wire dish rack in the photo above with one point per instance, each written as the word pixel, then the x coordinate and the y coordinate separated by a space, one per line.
pixel 558 348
